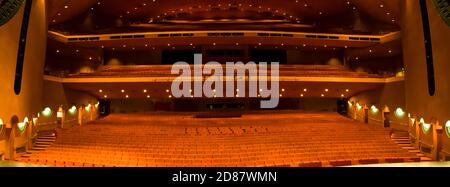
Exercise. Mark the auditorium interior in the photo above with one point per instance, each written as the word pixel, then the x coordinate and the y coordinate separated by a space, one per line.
pixel 87 83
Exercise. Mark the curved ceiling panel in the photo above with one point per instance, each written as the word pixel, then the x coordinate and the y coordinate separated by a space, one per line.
pixel 382 10
pixel 151 9
pixel 60 11
pixel 64 10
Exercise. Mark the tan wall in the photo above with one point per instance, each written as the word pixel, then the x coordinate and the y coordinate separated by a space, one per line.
pixel 28 103
pixel 315 57
pixel 132 105
pixel 418 101
pixel 391 95
pixel 56 95
pixel 318 105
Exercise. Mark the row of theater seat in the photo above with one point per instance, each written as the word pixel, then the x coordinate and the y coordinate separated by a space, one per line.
pixel 294 139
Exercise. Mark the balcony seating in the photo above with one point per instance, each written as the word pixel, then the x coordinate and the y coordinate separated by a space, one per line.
pixel 165 71
pixel 284 138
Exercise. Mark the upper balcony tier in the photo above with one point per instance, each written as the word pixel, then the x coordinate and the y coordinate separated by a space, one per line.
pixel 165 71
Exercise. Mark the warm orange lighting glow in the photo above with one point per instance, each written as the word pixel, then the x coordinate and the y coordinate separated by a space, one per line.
pixel 358 106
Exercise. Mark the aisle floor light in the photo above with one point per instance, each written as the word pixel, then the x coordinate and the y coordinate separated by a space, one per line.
pixel 374 109
pixel 447 127
pixel 23 125
pixel 73 110
pixel 88 107
pixel 425 126
pixel 399 112
pixel 1 125
pixel 358 106
pixel 47 112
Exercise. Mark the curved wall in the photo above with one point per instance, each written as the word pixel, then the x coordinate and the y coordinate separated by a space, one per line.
pixel 418 100
pixel 28 102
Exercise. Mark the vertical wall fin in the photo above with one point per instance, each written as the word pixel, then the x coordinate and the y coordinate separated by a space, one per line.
pixel 22 47
pixel 428 48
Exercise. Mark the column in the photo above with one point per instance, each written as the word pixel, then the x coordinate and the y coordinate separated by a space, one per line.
pixel 62 116
pixel 437 131
pixel 80 115
pixel 92 112
pixel 386 117
pixel 366 114
pixel 29 135
pixel 418 126
pixel 10 152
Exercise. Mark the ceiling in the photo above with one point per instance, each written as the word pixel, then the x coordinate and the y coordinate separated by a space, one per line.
pixel 115 13
pixel 99 17
pixel 72 17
